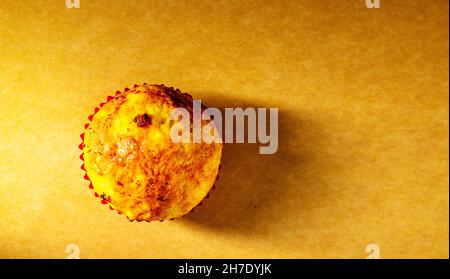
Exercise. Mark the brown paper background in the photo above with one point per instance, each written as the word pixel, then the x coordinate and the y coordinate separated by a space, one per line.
pixel 363 100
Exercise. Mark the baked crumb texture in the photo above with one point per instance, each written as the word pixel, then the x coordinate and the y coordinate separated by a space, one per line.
pixel 131 162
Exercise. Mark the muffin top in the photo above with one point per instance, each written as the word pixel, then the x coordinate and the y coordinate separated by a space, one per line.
pixel 132 162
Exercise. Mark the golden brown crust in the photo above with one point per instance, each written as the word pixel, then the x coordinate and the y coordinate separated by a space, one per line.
pixel 133 164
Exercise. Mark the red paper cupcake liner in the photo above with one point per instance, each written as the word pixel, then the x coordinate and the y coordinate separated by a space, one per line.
pixel 86 177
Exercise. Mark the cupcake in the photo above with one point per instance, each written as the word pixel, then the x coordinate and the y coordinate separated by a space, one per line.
pixel 134 165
